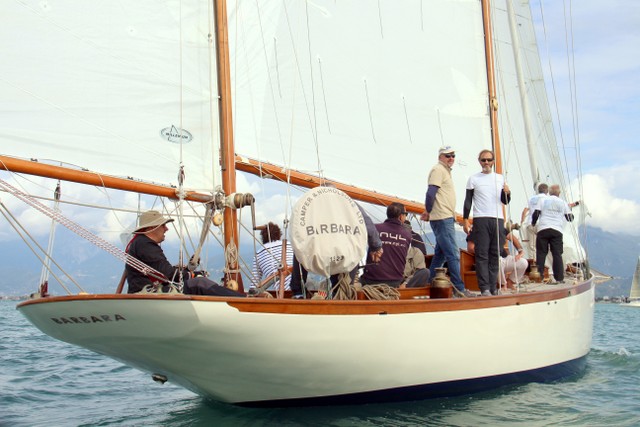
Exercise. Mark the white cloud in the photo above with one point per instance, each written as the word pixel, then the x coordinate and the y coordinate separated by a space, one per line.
pixel 607 210
pixel 601 42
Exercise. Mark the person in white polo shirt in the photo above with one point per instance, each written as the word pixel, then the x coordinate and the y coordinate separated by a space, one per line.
pixel 550 217
pixel 487 192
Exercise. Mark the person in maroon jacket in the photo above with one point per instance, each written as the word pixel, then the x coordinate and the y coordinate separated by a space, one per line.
pixel 145 246
pixel 396 239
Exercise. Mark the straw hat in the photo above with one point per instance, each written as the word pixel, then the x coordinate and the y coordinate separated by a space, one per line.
pixel 151 219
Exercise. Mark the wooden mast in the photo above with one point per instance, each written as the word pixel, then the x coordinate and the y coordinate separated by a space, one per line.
pixel 491 80
pixel 227 148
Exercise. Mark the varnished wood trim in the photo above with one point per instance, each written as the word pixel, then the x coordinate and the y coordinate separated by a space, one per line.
pixel 30 167
pixel 324 307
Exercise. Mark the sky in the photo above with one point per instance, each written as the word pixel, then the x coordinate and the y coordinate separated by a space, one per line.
pixel 604 53
pixel 605 40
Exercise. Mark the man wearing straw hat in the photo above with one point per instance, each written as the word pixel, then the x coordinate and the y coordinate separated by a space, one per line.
pixel 145 246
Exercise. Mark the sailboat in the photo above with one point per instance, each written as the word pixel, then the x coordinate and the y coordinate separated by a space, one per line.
pixel 634 292
pixel 177 101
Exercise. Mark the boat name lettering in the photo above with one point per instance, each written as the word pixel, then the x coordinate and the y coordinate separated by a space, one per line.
pixel 333 229
pixel 98 318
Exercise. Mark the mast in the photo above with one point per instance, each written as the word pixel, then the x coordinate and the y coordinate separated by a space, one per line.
pixel 515 44
pixel 491 80
pixel 227 148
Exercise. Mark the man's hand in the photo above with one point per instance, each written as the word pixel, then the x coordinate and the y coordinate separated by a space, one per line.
pixel 465 225
pixel 376 255
pixel 424 216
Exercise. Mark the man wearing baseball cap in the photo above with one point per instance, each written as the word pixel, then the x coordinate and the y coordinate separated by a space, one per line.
pixel 440 204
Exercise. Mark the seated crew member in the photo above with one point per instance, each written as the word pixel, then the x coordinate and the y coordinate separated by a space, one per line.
pixel 268 259
pixel 395 243
pixel 145 246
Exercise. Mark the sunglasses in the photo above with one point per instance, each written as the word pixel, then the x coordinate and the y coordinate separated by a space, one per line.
pixel 486 160
pixel 450 156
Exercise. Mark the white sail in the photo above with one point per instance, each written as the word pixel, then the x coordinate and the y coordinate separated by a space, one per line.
pixel 125 91
pixel 634 293
pixel 531 158
pixel 366 104
pixel 313 93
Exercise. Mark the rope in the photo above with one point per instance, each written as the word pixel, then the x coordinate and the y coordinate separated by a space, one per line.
pixel 195 258
pixel 80 231
pixel 380 292
pixel 231 257
pixel 343 290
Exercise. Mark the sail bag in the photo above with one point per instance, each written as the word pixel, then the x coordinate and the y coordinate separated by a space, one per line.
pixel 328 232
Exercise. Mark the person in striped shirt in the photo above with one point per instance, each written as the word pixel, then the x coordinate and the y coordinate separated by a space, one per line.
pixel 268 259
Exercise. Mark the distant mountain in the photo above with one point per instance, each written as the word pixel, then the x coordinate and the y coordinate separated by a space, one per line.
pixel 96 272
pixel 615 255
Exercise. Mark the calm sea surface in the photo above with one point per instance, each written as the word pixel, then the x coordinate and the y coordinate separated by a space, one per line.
pixel 44 382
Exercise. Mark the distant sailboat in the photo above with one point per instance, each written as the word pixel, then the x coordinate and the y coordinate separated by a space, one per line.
pixel 634 293
pixel 170 99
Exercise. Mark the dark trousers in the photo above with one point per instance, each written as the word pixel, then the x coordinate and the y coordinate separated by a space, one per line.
pixel 204 286
pixel 299 276
pixel 488 235
pixel 550 238
pixel 420 278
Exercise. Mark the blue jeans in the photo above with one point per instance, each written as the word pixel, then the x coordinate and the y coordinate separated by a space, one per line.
pixel 446 250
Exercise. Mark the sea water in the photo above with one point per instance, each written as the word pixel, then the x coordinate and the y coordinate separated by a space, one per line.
pixel 44 382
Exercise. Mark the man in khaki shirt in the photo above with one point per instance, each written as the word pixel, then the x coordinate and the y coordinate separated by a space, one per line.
pixel 440 204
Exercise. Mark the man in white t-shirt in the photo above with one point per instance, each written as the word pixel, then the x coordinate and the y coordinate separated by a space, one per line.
pixel 550 218
pixel 487 192
pixel 529 229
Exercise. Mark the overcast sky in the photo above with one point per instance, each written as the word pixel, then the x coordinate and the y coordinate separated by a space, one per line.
pixel 606 36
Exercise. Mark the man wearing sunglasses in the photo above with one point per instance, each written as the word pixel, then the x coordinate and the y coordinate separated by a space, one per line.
pixel 487 192
pixel 440 204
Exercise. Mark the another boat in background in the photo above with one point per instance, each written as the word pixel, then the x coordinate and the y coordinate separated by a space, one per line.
pixel 634 292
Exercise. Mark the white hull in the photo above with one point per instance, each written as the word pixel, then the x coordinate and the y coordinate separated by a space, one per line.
pixel 247 351
pixel 631 304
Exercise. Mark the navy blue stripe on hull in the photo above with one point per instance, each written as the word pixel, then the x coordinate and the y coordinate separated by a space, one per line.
pixel 429 391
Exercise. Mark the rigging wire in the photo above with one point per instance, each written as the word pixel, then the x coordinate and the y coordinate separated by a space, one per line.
pixel 15 224
pixel 569 51
pixel 82 232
